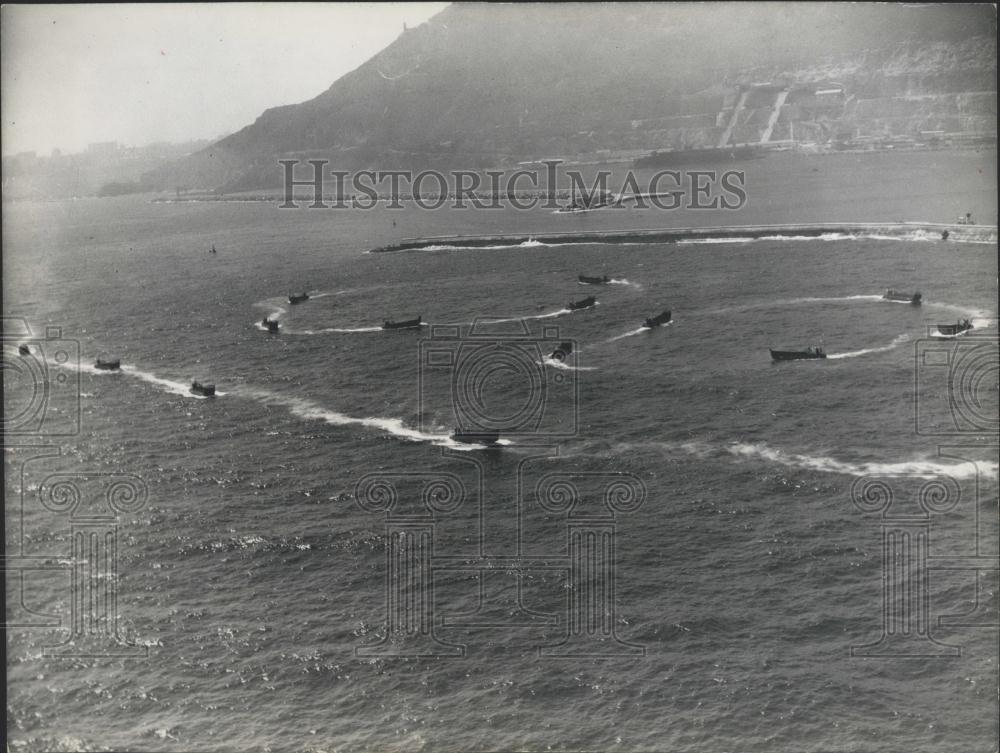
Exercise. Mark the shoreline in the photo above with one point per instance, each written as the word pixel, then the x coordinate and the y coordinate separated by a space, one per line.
pixel 891 230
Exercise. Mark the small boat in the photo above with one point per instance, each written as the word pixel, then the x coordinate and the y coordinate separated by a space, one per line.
pixel 594 280
pixel 892 295
pixel 562 351
pixel 206 390
pixel 963 325
pixel 300 298
pixel 476 437
pixel 24 350
pixel 406 324
pixel 271 325
pixel 586 303
pixel 213 249
pixel 656 321
pixel 108 364
pixel 797 355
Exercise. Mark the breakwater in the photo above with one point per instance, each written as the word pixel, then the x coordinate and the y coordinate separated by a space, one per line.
pixel 901 231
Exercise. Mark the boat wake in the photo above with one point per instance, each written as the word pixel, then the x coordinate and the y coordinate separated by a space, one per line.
pixel 311 411
pixel 624 281
pixel 980 318
pixel 636 331
pixel 855 353
pixel 327 330
pixel 922 467
pixel 557 364
pixel 549 315
pixel 795 302
pixel 171 386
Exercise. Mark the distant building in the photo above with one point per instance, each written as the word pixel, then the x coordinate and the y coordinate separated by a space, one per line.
pixel 103 148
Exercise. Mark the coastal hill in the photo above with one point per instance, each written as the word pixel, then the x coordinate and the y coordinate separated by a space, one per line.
pixel 486 85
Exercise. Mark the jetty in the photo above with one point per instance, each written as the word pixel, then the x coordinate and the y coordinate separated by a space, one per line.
pixel 944 232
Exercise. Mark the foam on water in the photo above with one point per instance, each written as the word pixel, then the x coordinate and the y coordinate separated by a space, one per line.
pixel 896 342
pixel 174 387
pixel 557 364
pixel 638 330
pixel 922 467
pixel 625 281
pixel 326 330
pixel 310 410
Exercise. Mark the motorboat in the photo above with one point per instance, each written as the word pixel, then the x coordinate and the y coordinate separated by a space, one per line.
pixel 205 390
pixel 476 437
pixel 300 298
pixel 797 355
pixel 108 364
pixel 586 303
pixel 562 351
pixel 404 324
pixel 895 295
pixel 271 325
pixel 962 326
pixel 656 321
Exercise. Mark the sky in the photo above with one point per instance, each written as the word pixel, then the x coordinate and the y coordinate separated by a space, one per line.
pixel 140 74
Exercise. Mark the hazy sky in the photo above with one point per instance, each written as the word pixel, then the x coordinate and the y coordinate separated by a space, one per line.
pixel 137 74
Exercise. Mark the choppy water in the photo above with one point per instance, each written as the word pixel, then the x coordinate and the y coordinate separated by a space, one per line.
pixel 252 575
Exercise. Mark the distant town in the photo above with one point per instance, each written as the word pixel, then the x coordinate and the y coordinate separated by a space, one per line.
pixel 104 168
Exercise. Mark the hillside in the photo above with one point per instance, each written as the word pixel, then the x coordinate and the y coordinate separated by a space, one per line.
pixel 489 85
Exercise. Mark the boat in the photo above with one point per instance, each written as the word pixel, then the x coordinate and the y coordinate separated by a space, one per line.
pixel 964 325
pixel 656 321
pixel 476 437
pixel 709 155
pixel 594 280
pixel 206 390
pixel 271 325
pixel 108 364
pixel 24 350
pixel 586 303
pixel 797 355
pixel 300 298
pixel 587 202
pixel 406 324
pixel 894 295
pixel 562 350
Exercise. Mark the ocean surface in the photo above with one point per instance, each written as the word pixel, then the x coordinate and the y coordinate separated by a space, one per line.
pixel 251 575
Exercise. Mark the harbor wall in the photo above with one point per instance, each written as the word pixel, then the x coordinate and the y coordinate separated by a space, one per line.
pixel 907 230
